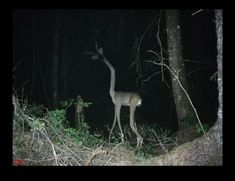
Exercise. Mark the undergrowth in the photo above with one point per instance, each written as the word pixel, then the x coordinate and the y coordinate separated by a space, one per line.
pixel 41 137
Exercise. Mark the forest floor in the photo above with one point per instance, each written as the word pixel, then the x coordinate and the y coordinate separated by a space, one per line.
pixel 44 141
pixel 32 149
pixel 41 148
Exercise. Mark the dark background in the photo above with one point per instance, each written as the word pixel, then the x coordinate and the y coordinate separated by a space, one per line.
pixel 115 30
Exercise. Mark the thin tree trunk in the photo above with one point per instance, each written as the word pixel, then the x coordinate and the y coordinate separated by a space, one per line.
pixel 35 54
pixel 37 69
pixel 64 60
pixel 55 62
pixel 217 128
pixel 64 71
pixel 176 63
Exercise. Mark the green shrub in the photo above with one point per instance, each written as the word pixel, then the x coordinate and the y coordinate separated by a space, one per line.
pixel 192 122
pixel 35 111
pixel 188 121
pixel 81 135
pixel 57 117
pixel 199 130
pixel 77 101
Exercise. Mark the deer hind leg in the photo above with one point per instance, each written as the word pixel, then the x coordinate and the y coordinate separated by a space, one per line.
pixel 134 127
pixel 139 138
pixel 119 122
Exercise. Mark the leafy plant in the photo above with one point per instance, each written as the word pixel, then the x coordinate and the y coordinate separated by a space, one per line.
pixel 58 117
pixel 35 110
pixel 37 124
pixel 191 122
pixel 77 101
pixel 71 132
pixel 199 128
pixel 83 137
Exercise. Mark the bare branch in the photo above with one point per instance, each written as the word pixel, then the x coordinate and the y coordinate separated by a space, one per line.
pixel 161 144
pixel 201 62
pixel 193 71
pixel 16 66
pixel 25 82
pixel 198 11
pixel 136 53
pixel 151 76
pixel 160 44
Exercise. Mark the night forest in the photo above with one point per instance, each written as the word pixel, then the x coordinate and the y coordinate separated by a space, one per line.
pixel 166 78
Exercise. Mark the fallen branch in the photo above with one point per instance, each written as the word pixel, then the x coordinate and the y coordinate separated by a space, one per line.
pixel 98 151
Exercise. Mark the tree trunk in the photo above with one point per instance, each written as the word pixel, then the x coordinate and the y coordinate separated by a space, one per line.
pixel 55 62
pixel 35 57
pixel 219 124
pixel 176 63
pixel 64 60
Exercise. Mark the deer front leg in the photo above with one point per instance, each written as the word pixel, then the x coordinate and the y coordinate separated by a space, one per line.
pixel 114 122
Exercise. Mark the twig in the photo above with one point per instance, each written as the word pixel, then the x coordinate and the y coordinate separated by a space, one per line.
pixel 151 76
pixel 53 147
pixel 22 84
pixel 116 146
pixel 108 161
pixel 193 71
pixel 162 145
pixel 201 62
pixel 16 66
pixel 136 48
pixel 197 12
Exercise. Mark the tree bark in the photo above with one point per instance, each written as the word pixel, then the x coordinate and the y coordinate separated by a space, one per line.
pixel 176 63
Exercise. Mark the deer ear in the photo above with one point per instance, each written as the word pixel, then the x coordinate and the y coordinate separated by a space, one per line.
pixel 94 57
